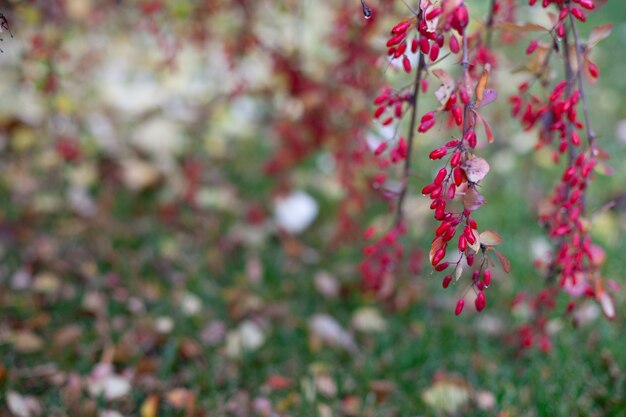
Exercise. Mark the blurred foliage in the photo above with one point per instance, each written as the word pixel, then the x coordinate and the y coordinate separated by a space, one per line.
pixel 142 271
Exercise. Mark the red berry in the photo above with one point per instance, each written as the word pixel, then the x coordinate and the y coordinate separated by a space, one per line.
pixel 458 176
pixel 441 175
pixel 531 47
pixel 459 307
pixel 434 52
pixel 380 148
pixel 438 153
pixel 400 27
pixel 424 45
pixel 456 159
pixel 442 266
pixel 406 63
pixel 578 14
pixel 587 4
pixel 480 302
pixel 593 70
pixel 462 243
pixel 487 277
pixel 434 13
pixel 454 44
pixel 439 255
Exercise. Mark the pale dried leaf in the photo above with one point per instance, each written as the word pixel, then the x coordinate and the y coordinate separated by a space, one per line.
pixel 475 169
pixel 598 33
pixel 103 382
pixel 458 271
pixel 488 131
pixel 25 341
pixel 447 87
pixel 607 303
pixel 504 261
pixel 603 168
pixel 490 238
pixel 472 199
pixel 446 397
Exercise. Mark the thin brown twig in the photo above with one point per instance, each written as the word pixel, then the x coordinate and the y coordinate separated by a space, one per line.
pixel 569 78
pixel 410 137
pixel 591 136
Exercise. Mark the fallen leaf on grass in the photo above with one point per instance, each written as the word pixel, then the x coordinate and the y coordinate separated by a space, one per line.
pixel 150 406
pixel 103 381
pixel 329 331
pixel 368 320
pixel 326 284
pixel 447 395
pixel 278 382
pixel 382 389
pixel 23 405
pixel 181 398
pixel 248 337
pixel 25 341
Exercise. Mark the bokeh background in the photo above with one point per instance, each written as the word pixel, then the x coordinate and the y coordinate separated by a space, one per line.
pixel 178 235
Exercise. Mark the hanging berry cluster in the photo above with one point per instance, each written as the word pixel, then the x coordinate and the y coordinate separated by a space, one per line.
pixel 437 30
pixel 575 264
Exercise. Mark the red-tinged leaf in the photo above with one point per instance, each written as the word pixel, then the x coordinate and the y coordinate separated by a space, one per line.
pixel 598 33
pixel 553 18
pixel 482 84
pixel 472 200
pixel 489 96
pixel 475 169
pixel 601 153
pixel 488 131
pixel 603 168
pixel 278 382
pixel 521 28
pixel 447 87
pixel 490 238
pixel 504 261
pixel 437 244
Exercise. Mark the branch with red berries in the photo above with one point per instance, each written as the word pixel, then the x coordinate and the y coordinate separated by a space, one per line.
pixel 454 190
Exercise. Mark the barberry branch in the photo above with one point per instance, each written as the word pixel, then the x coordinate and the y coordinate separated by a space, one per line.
pixel 591 137
pixel 410 138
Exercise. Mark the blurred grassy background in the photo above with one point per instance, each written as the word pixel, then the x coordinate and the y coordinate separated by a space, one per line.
pixel 104 263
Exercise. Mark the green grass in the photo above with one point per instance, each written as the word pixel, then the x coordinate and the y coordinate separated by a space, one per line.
pixel 201 252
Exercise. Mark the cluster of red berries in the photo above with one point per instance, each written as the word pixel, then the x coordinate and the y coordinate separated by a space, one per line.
pixel 557 116
pixel 429 39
